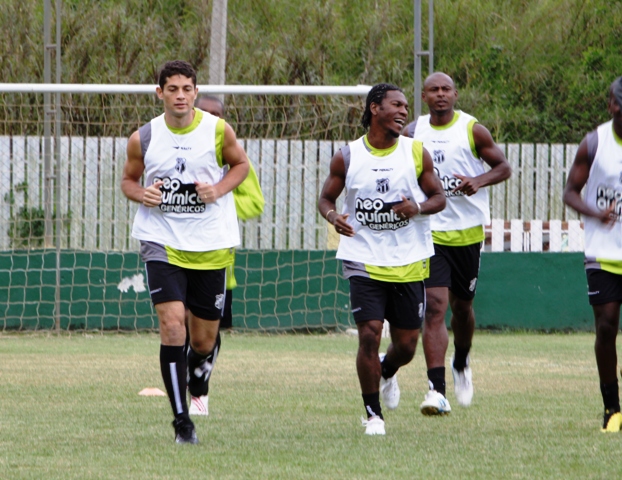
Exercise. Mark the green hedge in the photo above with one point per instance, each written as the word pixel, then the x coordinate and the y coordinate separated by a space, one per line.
pixel 530 70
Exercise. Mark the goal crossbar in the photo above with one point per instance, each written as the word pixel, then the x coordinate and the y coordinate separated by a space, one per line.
pixel 356 90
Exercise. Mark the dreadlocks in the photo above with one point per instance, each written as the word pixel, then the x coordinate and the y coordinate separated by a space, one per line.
pixel 376 95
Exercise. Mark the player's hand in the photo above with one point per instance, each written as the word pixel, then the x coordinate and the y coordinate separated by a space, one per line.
pixel 207 193
pixel 609 217
pixel 468 185
pixel 152 196
pixel 342 227
pixel 406 208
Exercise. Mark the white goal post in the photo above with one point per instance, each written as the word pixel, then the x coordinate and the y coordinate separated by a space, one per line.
pixel 91 278
pixel 357 90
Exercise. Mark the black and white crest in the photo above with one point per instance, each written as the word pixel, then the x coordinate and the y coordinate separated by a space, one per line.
pixel 382 185
pixel 181 165
pixel 439 156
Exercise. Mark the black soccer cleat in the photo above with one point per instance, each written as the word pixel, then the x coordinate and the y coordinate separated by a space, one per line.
pixel 184 431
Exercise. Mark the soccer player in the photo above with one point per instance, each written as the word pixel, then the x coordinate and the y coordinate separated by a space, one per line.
pixel 213 105
pixel 248 197
pixel 385 242
pixel 460 148
pixel 187 227
pixel 249 203
pixel 598 167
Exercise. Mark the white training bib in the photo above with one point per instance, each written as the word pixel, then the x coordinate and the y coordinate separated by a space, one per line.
pixel 183 221
pixel 604 187
pixel 373 185
pixel 451 152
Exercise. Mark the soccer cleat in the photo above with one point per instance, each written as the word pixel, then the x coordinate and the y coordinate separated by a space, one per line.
pixel 373 425
pixel 435 404
pixel 198 405
pixel 612 421
pixel 463 383
pixel 184 431
pixel 389 390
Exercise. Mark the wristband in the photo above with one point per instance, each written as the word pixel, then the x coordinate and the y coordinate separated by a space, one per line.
pixel 327 214
pixel 418 207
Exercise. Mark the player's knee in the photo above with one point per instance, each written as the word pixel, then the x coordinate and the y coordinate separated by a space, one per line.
pixel 405 351
pixel 405 345
pixel 606 331
pixel 202 346
pixel 461 309
pixel 369 342
pixel 435 313
pixel 170 324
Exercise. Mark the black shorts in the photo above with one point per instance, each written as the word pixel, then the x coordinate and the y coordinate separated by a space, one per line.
pixel 456 268
pixel 603 287
pixel 401 304
pixel 201 291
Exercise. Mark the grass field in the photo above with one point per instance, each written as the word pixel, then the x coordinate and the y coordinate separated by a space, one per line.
pixel 289 407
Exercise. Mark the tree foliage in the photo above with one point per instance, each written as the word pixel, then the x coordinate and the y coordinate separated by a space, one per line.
pixel 530 70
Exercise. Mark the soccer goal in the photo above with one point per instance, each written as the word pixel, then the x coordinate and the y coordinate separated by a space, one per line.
pixel 67 260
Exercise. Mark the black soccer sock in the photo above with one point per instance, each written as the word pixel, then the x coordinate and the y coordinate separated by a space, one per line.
pixel 460 357
pixel 187 342
pixel 372 405
pixel 611 396
pixel 173 368
pixel 199 385
pixel 388 370
pixel 437 379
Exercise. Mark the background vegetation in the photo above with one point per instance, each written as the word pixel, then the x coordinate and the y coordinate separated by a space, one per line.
pixel 531 70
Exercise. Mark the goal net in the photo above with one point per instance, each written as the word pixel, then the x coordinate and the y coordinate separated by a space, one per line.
pixel 67 259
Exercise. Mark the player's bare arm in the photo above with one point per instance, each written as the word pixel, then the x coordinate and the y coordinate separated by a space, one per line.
pixel 132 173
pixel 490 153
pixel 577 178
pixel 334 185
pixel 234 156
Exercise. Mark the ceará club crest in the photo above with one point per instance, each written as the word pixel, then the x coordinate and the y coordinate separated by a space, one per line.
pixel 382 185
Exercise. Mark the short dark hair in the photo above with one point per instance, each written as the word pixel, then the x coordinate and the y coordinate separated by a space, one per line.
pixel 376 95
pixel 211 98
pixel 176 67
pixel 616 90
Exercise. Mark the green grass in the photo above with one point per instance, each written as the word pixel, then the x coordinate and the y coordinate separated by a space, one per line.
pixel 289 406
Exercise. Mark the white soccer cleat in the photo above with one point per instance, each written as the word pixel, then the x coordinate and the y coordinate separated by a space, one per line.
pixel 463 383
pixel 435 404
pixel 373 425
pixel 198 406
pixel 389 390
